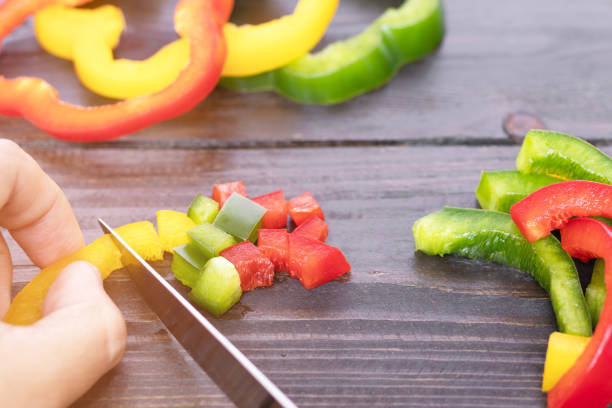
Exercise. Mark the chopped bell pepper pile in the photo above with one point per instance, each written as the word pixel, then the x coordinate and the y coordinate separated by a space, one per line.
pixel 268 56
pixel 233 232
pixel 217 265
pixel 560 180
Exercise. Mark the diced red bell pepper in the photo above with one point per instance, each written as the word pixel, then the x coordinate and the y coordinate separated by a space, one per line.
pixel 314 262
pixel 587 382
pixel 254 268
pixel 221 192
pixel 275 245
pixel 552 206
pixel 314 228
pixel 303 206
pixel 276 206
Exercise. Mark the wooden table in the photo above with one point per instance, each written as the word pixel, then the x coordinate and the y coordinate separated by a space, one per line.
pixel 404 329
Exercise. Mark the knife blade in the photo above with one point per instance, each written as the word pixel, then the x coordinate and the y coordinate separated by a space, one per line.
pixel 231 370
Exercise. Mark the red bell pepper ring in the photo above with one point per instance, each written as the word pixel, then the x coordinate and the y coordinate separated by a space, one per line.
pixel 303 206
pixel 552 206
pixel 314 228
pixel 221 192
pixel 254 268
pixel 587 383
pixel 200 21
pixel 276 206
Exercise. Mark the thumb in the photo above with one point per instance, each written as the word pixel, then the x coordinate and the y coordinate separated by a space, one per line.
pixel 81 336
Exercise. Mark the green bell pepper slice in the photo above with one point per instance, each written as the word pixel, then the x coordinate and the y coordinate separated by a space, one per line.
pixel 498 190
pixel 493 236
pixel 359 64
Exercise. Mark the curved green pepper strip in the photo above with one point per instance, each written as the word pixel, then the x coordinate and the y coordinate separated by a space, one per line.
pixel 360 64
pixel 595 293
pixel 493 236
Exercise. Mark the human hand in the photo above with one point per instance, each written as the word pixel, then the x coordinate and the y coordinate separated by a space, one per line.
pixel 82 334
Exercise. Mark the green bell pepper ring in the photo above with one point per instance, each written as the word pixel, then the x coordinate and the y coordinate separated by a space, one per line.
pixel 493 236
pixel 359 64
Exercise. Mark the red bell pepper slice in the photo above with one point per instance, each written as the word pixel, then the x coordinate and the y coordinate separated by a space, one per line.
pixel 221 192
pixel 275 245
pixel 314 262
pixel 303 206
pixel 200 21
pixel 276 206
pixel 587 383
pixel 314 228
pixel 254 268
pixel 552 206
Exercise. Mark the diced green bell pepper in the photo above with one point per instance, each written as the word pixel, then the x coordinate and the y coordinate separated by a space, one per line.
pixel 240 217
pixel 210 240
pixel 203 209
pixel 359 64
pixel 187 264
pixel 218 287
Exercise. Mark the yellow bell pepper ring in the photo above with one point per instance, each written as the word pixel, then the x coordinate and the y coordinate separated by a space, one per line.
pixel 88 36
pixel 563 351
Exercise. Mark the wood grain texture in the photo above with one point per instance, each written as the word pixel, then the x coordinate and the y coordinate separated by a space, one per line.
pixel 549 57
pixel 403 329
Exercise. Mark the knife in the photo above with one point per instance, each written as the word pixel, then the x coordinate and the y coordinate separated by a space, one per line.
pixel 235 374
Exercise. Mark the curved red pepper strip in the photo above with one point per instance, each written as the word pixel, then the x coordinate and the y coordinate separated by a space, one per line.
pixel 552 206
pixel 200 21
pixel 587 383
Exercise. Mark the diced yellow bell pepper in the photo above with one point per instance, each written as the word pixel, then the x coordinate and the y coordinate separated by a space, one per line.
pixel 88 37
pixel 26 308
pixel 172 227
pixel 563 351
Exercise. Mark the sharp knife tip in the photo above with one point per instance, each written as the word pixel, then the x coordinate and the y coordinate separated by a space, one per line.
pixel 104 226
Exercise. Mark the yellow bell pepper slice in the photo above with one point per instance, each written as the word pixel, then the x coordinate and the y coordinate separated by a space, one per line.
pixel 26 308
pixel 88 36
pixel 253 49
pixel 563 351
pixel 172 227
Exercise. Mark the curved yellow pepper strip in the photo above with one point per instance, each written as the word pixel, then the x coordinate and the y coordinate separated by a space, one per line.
pixel 253 49
pixel 563 350
pixel 26 308
pixel 88 36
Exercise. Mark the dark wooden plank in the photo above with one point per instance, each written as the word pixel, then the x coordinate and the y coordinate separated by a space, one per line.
pixel 547 57
pixel 403 329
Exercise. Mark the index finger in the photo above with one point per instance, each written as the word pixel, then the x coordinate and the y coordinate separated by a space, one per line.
pixel 34 209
